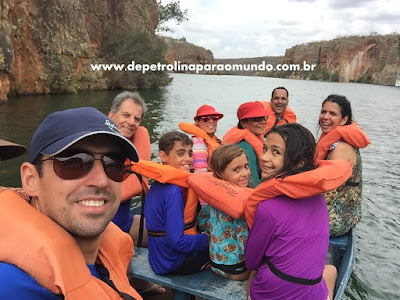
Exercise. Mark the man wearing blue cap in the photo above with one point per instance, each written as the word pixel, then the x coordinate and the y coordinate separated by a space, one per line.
pixel 60 243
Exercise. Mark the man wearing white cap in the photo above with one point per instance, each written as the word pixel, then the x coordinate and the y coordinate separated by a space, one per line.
pixel 60 244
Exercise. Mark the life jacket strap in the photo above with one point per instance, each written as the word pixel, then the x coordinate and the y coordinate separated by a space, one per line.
pixel 141 223
pixel 289 278
pixel 162 233
pixel 156 233
pixel 190 225
pixel 351 183
pixel 231 269
pixel 124 296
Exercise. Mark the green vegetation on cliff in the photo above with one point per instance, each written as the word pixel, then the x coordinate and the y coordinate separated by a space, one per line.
pixel 131 45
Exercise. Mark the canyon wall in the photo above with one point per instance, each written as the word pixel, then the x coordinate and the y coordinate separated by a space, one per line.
pixel 369 59
pixel 180 50
pixel 48 46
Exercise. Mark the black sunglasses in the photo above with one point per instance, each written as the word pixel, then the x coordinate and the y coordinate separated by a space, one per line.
pixel 78 165
pixel 258 119
pixel 207 118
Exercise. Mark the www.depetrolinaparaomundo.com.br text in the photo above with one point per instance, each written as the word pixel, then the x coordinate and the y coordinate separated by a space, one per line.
pixel 177 66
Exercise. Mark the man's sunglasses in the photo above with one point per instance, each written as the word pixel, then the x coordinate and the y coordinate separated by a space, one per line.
pixel 258 119
pixel 78 165
pixel 205 119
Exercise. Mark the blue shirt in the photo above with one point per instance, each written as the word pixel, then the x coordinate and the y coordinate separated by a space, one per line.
pixel 123 218
pixel 164 212
pixel 15 284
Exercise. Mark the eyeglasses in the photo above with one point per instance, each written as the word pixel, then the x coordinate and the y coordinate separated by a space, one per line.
pixel 258 119
pixel 79 165
pixel 205 119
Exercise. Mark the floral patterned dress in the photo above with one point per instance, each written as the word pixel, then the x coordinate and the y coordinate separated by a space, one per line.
pixel 228 238
pixel 344 203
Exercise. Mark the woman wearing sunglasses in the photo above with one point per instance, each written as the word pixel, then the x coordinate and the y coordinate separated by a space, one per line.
pixel 204 139
pixel 249 135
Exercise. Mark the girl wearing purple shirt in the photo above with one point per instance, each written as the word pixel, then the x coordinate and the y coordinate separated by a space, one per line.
pixel 288 242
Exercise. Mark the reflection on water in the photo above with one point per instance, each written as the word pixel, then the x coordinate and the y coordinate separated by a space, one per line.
pixel 375 108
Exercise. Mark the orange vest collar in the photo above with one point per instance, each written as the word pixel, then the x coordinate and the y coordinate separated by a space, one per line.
pixel 49 254
pixel 168 174
pixel 131 187
pixel 351 134
pixel 288 116
pixel 220 194
pixel 235 135
pixel 327 176
pixel 193 129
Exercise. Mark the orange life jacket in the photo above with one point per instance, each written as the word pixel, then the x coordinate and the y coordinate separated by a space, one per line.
pixel 220 194
pixel 212 142
pixel 48 253
pixel 168 174
pixel 131 187
pixel 352 134
pixel 19 191
pixel 329 175
pixel 288 116
pixel 235 135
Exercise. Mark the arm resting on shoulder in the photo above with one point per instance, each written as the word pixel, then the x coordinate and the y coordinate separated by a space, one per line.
pixel 343 151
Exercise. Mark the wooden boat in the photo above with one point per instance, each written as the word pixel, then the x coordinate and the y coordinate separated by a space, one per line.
pixel 342 251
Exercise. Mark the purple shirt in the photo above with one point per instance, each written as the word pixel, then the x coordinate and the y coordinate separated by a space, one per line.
pixel 294 235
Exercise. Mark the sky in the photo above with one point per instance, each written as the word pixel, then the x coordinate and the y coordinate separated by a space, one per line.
pixel 252 28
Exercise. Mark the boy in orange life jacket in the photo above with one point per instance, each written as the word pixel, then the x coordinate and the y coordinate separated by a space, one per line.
pixel 170 250
pixel 60 242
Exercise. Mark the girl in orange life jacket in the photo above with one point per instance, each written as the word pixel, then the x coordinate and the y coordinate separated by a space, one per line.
pixel 288 242
pixel 341 139
pixel 227 235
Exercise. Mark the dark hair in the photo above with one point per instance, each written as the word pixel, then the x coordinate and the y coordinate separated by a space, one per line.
pixel 300 148
pixel 38 163
pixel 279 88
pixel 344 104
pixel 167 140
pixel 223 156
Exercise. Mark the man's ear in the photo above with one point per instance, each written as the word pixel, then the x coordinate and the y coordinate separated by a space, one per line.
pixel 110 114
pixel 29 178
pixel 163 156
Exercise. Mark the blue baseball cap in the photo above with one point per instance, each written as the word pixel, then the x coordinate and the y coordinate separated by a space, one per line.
pixel 61 129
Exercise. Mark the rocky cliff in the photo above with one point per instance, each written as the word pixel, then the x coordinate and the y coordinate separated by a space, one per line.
pixel 370 59
pixel 186 53
pixel 48 46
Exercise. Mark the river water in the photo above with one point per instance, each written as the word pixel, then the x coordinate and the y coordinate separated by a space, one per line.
pixel 375 108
